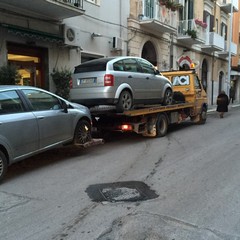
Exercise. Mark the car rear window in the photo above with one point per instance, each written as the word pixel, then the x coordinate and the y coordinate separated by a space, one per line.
pixel 93 65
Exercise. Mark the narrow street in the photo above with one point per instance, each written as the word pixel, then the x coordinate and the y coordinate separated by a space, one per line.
pixel 182 186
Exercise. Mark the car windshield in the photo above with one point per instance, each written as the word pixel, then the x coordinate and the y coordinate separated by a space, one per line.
pixel 93 65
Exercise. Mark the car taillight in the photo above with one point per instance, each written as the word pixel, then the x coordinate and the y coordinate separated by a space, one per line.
pixel 108 80
pixel 70 83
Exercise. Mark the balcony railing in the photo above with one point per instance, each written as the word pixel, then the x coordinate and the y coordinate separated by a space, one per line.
pixel 225 5
pixel 158 18
pixel 189 29
pixel 75 3
pixel 225 52
pixel 214 42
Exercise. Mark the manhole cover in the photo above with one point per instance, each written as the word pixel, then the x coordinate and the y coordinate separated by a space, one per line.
pixel 120 191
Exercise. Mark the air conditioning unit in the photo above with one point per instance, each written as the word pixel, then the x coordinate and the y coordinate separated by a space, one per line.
pixel 117 43
pixel 71 35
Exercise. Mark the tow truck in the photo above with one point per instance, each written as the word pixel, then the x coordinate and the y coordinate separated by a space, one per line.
pixel 189 102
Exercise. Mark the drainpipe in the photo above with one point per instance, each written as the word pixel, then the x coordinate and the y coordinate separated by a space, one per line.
pixel 213 58
pixel 229 53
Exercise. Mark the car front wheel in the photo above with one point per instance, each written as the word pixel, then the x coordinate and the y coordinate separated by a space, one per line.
pixel 3 165
pixel 82 132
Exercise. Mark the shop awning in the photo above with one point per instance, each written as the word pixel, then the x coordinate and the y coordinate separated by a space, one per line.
pixel 33 34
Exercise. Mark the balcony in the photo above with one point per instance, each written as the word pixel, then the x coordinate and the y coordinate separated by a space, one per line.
pixel 55 10
pixel 214 42
pixel 225 52
pixel 225 5
pixel 189 32
pixel 158 19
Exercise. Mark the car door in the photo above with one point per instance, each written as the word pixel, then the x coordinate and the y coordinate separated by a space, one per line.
pixel 135 78
pixel 55 125
pixel 153 84
pixel 18 126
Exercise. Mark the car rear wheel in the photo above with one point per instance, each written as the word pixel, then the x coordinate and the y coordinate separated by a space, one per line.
pixel 3 165
pixel 125 101
pixel 168 97
pixel 82 132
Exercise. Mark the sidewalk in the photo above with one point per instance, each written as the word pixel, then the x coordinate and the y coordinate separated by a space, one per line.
pixel 212 108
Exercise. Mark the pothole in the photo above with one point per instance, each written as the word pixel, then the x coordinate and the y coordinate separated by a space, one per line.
pixel 130 191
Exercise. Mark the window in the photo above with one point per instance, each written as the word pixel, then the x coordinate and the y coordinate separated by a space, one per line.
pixel 149 8
pixel 10 103
pixel 131 65
pixel 197 83
pixel 146 66
pixel 42 101
pixel 118 66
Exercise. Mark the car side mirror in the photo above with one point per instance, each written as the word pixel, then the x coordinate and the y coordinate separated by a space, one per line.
pixel 157 72
pixel 65 107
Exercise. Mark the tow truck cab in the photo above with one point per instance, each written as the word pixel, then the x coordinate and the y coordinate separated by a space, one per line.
pixel 189 85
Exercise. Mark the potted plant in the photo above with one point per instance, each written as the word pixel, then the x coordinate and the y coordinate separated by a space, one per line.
pixel 162 2
pixel 62 78
pixel 9 75
pixel 192 33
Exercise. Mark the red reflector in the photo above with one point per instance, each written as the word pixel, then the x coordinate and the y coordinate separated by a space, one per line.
pixel 108 80
pixel 126 127
pixel 70 83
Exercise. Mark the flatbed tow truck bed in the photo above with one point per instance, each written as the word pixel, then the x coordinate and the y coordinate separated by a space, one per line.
pixel 149 120
pixel 153 120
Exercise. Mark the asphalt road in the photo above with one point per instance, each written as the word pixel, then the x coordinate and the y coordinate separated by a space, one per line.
pixel 183 186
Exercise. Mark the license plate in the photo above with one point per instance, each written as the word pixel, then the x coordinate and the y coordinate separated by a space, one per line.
pixel 86 81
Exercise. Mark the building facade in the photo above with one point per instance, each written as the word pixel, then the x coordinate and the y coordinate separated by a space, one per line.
pixel 48 35
pixel 176 34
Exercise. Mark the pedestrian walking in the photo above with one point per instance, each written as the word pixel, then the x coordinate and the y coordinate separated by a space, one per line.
pixel 232 94
pixel 222 103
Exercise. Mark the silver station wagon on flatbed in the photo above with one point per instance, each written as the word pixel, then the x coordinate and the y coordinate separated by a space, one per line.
pixel 121 81
pixel 33 120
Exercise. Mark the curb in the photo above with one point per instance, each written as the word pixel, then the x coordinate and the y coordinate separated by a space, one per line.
pixel 213 108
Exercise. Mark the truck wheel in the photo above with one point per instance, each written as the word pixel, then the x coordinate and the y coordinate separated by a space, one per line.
pixel 168 97
pixel 3 165
pixel 203 116
pixel 125 101
pixel 82 132
pixel 161 125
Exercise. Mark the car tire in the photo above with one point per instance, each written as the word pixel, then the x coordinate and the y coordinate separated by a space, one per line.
pixel 3 165
pixel 161 125
pixel 168 97
pixel 203 116
pixel 82 132
pixel 125 101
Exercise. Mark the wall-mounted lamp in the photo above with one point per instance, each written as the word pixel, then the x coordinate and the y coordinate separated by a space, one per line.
pixel 96 35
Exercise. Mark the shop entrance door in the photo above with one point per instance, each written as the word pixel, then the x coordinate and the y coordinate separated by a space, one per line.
pixel 30 62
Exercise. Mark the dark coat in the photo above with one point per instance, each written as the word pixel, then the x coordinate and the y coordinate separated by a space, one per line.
pixel 222 103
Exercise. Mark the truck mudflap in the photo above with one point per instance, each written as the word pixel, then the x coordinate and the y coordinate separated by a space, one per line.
pixel 92 142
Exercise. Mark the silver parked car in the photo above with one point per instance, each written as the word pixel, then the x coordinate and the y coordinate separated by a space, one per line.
pixel 121 81
pixel 33 120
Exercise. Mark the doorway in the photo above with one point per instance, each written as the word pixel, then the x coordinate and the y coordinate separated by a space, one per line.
pixel 205 74
pixel 149 53
pixel 31 62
